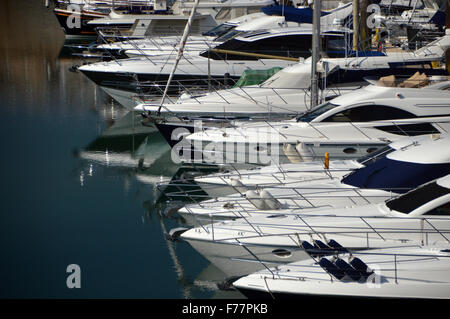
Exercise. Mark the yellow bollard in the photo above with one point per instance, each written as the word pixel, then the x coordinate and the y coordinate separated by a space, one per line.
pixel 435 64
pixel 327 161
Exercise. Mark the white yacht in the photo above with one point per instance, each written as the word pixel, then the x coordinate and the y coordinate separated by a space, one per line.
pixel 406 165
pixel 155 44
pixel 156 47
pixel 149 74
pixel 245 245
pixel 240 181
pixel 259 21
pixel 419 272
pixel 348 126
pixel 287 93
pixel 171 19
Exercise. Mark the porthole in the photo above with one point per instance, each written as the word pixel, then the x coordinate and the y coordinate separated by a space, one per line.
pixel 371 149
pixel 349 150
pixel 282 253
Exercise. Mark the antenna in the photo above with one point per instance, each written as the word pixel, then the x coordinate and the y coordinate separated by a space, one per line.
pixel 316 47
pixel 180 52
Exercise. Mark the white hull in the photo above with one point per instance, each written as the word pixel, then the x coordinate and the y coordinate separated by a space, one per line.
pixel 418 273
pixel 263 144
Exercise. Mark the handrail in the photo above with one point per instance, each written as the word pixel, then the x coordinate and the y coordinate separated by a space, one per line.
pixel 429 223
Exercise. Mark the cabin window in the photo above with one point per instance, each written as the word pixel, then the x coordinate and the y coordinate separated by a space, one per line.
pixel 372 157
pixel 418 197
pixel 443 210
pixel 219 30
pixel 228 35
pixel 349 150
pixel 368 113
pixel 315 112
pixel 409 129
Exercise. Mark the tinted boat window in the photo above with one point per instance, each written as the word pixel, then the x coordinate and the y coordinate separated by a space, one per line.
pixel 394 175
pixel 367 113
pixel 315 112
pixel 228 35
pixel 418 197
pixel 219 30
pixel 443 210
pixel 409 129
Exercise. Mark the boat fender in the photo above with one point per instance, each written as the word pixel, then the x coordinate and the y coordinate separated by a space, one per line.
pixel 254 198
pixel 175 233
pixel 269 200
pixel 238 185
pixel 291 153
pixel 74 68
pixel 305 152
pixel 227 284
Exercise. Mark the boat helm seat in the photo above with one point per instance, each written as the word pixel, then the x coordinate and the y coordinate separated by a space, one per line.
pixel 360 266
pixel 348 269
pixel 331 268
pixel 319 244
pixel 335 245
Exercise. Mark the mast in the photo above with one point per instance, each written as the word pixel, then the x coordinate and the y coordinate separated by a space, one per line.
pixel 447 32
pixel 355 24
pixel 316 47
pixel 180 52
pixel 365 31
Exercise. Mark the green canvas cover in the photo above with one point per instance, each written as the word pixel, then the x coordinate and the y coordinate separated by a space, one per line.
pixel 252 77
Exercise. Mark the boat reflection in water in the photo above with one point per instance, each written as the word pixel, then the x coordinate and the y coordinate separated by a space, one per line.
pixel 132 151
pixel 209 279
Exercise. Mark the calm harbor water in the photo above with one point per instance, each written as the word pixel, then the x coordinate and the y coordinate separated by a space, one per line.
pixel 75 189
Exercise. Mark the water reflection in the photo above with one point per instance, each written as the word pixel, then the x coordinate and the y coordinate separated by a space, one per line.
pixel 142 152
pixel 207 279
pixel 87 168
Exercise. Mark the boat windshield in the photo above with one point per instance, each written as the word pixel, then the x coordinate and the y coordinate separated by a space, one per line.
pixel 374 156
pixel 228 35
pixel 315 112
pixel 219 30
pixel 416 198
pixel 394 175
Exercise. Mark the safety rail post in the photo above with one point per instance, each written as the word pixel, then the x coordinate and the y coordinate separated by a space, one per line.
pixel 374 230
pixel 437 230
pixel 281 98
pixel 251 225
pixel 395 264
pixel 317 130
pixel 196 220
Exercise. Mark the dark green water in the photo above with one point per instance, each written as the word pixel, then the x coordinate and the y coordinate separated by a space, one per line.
pixel 72 195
